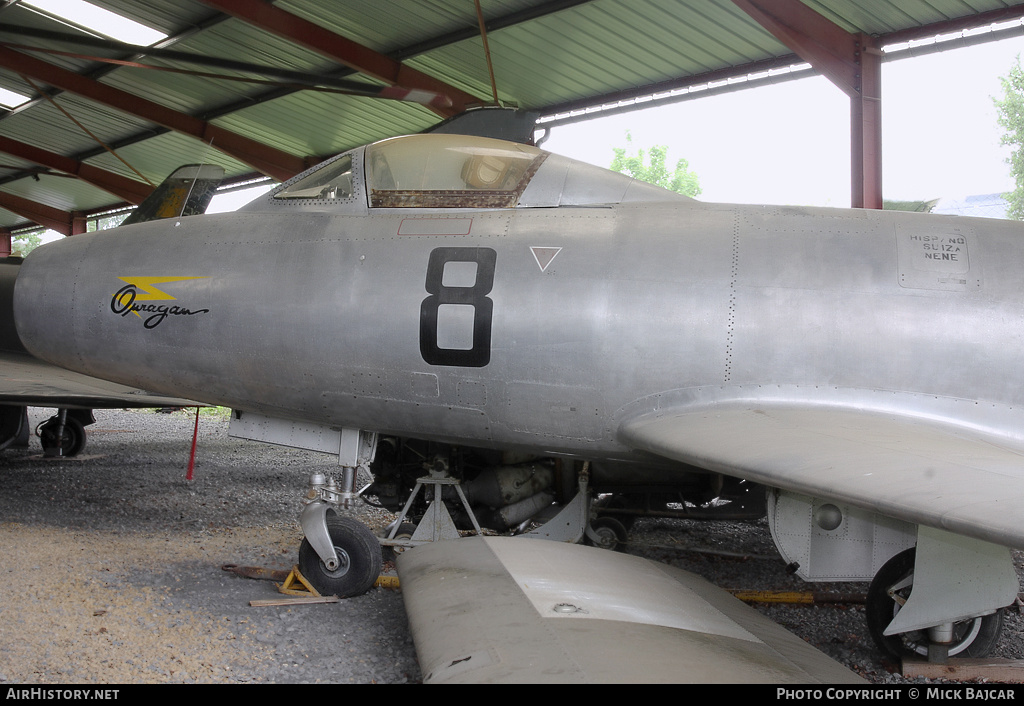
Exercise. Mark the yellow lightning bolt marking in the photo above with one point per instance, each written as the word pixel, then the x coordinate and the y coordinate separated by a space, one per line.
pixel 152 294
pixel 149 293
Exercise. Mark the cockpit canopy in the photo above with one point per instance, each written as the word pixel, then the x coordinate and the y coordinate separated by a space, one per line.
pixel 450 172
pixel 440 171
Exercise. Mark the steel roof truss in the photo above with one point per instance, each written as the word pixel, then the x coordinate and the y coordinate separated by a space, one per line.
pixel 272 162
pixel 343 50
pixel 124 188
pixel 46 216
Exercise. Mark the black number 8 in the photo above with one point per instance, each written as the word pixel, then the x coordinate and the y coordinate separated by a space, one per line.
pixel 479 354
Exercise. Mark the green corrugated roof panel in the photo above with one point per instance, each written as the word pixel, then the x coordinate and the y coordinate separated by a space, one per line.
pixel 157 157
pixel 579 52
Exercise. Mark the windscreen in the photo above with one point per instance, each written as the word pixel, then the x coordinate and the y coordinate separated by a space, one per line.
pixel 333 181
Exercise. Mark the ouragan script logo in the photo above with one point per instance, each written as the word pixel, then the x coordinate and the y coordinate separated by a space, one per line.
pixel 137 296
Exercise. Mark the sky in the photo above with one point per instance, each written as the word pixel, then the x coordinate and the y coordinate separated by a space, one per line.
pixel 789 143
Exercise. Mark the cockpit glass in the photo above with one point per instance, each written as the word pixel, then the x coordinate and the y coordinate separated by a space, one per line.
pixel 331 182
pixel 449 171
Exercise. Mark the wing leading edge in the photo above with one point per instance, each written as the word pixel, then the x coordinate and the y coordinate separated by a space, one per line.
pixel 29 382
pixel 924 469
pixel 517 610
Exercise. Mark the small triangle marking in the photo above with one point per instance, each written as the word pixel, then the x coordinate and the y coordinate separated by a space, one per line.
pixel 544 256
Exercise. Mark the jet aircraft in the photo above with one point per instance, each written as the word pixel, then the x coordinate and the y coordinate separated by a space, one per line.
pixel 477 315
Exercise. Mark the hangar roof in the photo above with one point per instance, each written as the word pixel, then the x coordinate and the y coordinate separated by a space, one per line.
pixel 553 57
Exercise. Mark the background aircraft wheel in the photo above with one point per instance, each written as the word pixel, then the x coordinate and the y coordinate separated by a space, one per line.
pixel 617 502
pixel 610 532
pixel 405 531
pixel 971 638
pixel 71 443
pixel 358 551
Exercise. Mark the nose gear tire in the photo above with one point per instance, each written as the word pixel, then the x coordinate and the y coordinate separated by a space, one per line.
pixel 359 559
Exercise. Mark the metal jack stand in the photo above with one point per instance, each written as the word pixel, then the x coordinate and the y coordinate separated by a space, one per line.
pixel 436 524
pixel 569 525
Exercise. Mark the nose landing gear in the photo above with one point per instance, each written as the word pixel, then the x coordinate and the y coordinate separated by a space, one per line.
pixel 357 563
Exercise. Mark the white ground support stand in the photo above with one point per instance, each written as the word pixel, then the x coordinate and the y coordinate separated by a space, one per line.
pixel 437 524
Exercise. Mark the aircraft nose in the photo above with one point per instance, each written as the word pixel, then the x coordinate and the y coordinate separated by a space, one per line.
pixel 101 304
pixel 44 306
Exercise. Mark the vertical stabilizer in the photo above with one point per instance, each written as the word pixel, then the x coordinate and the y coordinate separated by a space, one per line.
pixel 186 192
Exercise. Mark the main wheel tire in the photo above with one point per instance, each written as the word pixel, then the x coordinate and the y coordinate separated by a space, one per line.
pixel 974 637
pixel 358 553
pixel 72 441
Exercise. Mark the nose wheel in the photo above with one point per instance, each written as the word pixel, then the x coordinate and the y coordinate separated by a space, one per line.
pixel 359 559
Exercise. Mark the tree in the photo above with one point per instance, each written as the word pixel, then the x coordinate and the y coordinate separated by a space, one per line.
pixel 682 180
pixel 1011 118
pixel 24 243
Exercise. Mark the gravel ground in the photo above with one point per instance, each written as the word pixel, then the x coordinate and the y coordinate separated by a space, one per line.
pixel 111 569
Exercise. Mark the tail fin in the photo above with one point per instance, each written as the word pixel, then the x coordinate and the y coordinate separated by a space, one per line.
pixel 186 192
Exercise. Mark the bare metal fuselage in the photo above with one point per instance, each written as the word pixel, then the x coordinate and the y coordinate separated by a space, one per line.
pixel 596 314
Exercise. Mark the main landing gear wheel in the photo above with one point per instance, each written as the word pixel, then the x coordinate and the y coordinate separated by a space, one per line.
pixel 974 637
pixel 72 441
pixel 358 554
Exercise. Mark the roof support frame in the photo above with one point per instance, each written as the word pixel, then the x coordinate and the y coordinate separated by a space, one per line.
pixel 284 24
pixel 53 218
pixel 403 53
pixel 853 62
pixel 493 24
pixel 104 69
pixel 130 190
pixel 272 162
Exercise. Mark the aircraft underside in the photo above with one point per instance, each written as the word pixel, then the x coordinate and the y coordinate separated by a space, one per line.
pixel 491 492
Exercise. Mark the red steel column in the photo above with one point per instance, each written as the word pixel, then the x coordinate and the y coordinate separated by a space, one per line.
pixel 850 61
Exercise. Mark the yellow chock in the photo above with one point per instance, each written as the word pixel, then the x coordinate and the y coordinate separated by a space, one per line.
pixel 297 585
pixel 386 581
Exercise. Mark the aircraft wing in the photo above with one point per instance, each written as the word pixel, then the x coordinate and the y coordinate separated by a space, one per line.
pixel 26 381
pixel 520 610
pixel 919 469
